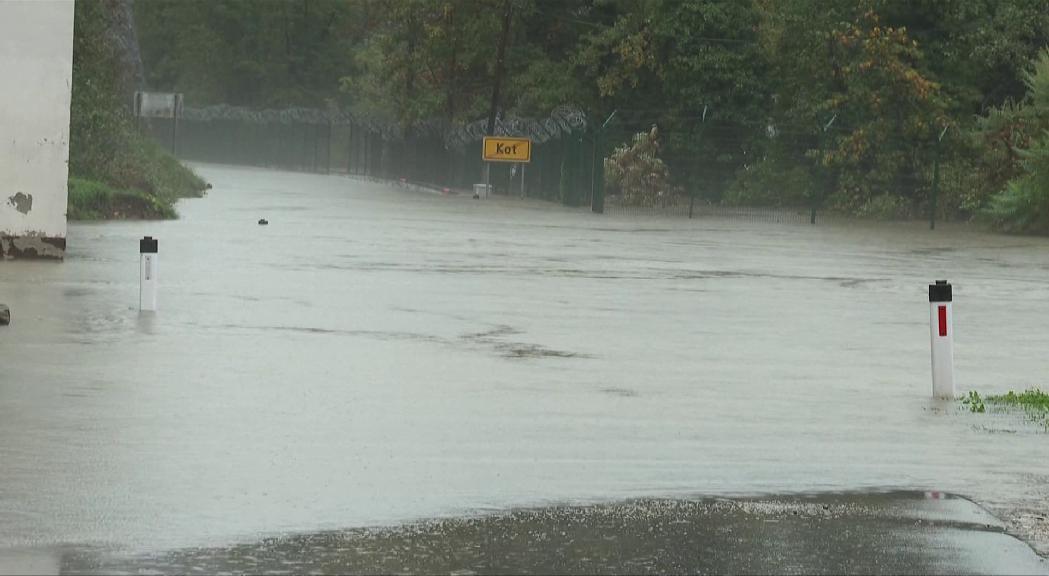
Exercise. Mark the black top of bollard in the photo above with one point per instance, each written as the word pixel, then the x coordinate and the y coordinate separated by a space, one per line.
pixel 147 245
pixel 940 292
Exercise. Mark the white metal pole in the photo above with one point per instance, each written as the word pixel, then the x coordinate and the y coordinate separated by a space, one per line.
pixel 522 180
pixel 941 329
pixel 147 280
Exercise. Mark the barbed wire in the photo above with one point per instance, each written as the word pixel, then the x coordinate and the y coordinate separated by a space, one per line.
pixel 562 121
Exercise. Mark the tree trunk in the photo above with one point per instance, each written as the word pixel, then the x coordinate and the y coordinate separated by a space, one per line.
pixel 504 38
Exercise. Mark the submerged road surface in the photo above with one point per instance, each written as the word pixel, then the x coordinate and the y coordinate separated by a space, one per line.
pixel 900 533
pixel 376 356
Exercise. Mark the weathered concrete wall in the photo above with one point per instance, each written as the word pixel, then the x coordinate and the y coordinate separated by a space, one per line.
pixel 36 67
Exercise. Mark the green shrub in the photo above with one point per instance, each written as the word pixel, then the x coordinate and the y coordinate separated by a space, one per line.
pixel 771 183
pixel 1023 130
pixel 885 207
pixel 636 172
pixel 1023 207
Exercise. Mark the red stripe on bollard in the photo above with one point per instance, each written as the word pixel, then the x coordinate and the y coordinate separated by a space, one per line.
pixel 943 319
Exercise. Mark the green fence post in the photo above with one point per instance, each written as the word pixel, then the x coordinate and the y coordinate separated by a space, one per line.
pixel 935 185
pixel 567 166
pixel 935 179
pixel 823 141
pixel 597 201
pixel 699 142
pixel 822 181
pixel 581 193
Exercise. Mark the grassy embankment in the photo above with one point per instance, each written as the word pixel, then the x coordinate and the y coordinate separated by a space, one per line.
pixel 115 171
pixel 145 186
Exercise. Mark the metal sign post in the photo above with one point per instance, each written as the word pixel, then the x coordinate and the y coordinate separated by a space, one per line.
pixel 504 149
pixel 166 105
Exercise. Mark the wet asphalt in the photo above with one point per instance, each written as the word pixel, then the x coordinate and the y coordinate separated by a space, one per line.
pixel 887 533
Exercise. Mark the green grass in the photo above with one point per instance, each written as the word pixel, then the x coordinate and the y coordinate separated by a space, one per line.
pixel 1033 402
pixel 142 181
pixel 165 176
pixel 117 172
pixel 94 200
pixel 1032 399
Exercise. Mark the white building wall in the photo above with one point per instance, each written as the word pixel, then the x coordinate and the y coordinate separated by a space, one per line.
pixel 36 66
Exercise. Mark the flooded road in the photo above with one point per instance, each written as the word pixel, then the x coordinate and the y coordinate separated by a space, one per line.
pixel 377 356
pixel 892 533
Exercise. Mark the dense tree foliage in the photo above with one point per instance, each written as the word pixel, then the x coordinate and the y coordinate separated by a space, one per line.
pixel 841 104
pixel 1019 136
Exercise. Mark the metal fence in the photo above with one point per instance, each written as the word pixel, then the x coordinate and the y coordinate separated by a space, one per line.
pixel 441 155
pixel 691 207
pixel 710 161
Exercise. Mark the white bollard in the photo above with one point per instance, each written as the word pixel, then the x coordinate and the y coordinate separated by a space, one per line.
pixel 147 279
pixel 941 327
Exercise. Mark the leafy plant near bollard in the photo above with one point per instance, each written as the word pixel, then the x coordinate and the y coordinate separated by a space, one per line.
pixel 974 402
pixel 1033 401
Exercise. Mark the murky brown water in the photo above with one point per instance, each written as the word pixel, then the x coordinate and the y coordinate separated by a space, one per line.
pixel 376 356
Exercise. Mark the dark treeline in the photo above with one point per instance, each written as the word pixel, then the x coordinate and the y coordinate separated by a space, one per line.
pixel 886 108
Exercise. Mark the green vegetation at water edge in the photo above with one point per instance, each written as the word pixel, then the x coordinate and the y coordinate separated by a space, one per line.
pixel 1033 402
pixel 974 402
pixel 115 170
pixel 93 200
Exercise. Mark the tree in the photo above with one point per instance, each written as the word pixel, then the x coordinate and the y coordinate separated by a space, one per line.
pixel 267 53
pixel 741 89
pixel 666 61
pixel 889 113
pixel 1023 130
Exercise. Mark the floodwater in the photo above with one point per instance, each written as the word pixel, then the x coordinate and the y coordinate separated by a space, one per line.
pixel 377 356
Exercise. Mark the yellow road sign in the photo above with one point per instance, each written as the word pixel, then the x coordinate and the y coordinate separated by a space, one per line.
pixel 499 149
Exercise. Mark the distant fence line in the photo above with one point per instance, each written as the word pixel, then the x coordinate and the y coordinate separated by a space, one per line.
pixel 339 140
pixel 563 120
pixel 715 164
pixel 690 207
pixel 567 164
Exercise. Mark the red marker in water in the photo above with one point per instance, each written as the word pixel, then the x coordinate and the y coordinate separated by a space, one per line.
pixel 941 330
